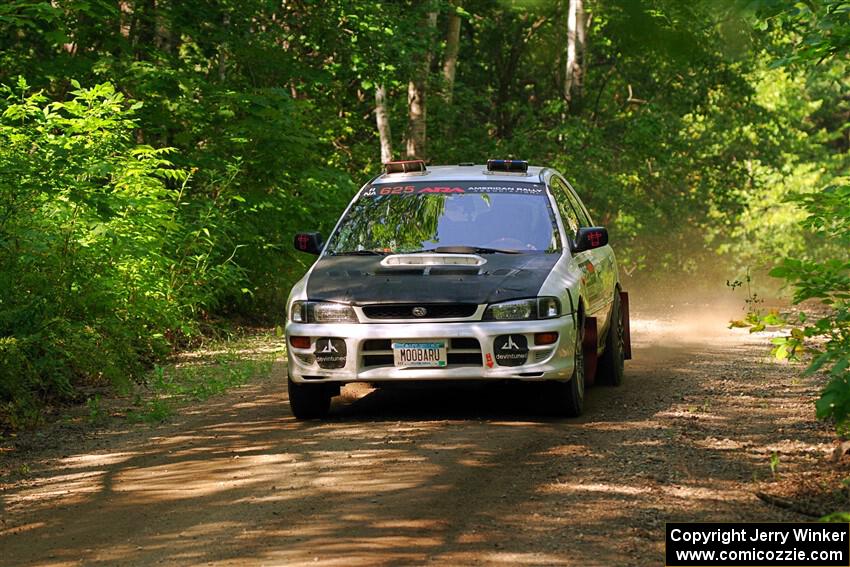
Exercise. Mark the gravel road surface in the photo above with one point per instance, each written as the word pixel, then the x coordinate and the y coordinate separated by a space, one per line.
pixel 440 476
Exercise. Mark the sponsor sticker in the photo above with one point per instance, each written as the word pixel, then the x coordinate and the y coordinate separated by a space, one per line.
pixel 330 353
pixel 510 350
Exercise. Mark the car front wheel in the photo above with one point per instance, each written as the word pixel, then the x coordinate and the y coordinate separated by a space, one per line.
pixel 309 401
pixel 568 397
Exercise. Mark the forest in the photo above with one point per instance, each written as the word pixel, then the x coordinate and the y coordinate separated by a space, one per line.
pixel 157 156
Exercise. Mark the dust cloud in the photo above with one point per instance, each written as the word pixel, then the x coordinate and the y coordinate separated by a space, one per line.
pixel 688 310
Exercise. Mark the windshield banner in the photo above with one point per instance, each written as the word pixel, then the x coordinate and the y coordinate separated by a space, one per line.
pixel 425 188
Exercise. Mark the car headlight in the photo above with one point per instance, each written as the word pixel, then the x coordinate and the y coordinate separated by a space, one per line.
pixel 524 309
pixel 321 312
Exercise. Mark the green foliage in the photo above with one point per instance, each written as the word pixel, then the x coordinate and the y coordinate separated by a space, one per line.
pixel 155 410
pixel 821 27
pixel 128 228
pixel 171 386
pixel 201 382
pixel 97 415
pixel 774 463
pixel 826 279
pixel 100 259
pixel 754 319
pixel 814 35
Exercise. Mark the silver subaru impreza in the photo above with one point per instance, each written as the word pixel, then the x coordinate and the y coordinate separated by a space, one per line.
pixel 454 273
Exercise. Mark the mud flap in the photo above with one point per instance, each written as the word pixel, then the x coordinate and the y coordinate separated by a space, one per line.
pixel 590 348
pixel 627 334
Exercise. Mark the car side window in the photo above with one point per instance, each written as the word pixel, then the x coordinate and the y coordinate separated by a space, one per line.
pixel 583 217
pixel 568 213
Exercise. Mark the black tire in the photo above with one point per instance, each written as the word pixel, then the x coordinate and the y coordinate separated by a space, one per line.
pixel 613 361
pixel 568 397
pixel 309 401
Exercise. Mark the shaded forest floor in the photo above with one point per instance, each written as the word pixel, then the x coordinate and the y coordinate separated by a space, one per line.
pixel 703 422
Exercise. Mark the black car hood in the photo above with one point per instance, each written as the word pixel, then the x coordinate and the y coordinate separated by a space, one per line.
pixel 361 280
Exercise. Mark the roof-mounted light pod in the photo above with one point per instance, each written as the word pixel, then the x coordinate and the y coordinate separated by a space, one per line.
pixel 508 165
pixel 410 166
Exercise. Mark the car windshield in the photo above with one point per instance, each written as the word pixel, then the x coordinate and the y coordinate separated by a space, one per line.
pixel 460 218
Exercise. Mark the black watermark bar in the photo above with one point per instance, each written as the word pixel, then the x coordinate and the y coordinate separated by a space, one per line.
pixel 804 544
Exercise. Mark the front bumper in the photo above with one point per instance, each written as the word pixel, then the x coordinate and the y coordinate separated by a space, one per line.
pixel 470 351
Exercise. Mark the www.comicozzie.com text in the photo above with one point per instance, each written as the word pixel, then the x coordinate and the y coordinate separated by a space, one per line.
pixel 727 536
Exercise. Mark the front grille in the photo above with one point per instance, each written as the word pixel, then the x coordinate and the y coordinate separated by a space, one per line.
pixel 465 359
pixel 464 351
pixel 378 360
pixel 466 344
pixel 377 344
pixel 433 311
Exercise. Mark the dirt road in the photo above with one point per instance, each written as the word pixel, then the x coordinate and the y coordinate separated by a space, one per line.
pixel 441 476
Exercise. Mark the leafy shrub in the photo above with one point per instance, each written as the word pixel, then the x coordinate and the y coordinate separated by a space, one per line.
pixel 827 280
pixel 102 264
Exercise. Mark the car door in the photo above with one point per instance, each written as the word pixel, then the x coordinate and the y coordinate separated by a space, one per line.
pixel 586 261
pixel 603 261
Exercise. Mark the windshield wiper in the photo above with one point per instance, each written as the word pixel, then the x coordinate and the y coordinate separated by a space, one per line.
pixel 466 250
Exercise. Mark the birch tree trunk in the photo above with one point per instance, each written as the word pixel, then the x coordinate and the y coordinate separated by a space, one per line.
pixel 416 109
pixel 452 48
pixel 574 72
pixel 125 10
pixel 382 118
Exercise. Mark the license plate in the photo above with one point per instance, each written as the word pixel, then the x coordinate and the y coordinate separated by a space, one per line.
pixel 418 355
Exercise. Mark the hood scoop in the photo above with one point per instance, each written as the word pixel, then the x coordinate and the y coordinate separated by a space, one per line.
pixel 422 261
pixel 432 264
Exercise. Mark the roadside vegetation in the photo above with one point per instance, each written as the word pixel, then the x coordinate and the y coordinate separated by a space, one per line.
pixel 207 371
pixel 157 157
pixel 820 272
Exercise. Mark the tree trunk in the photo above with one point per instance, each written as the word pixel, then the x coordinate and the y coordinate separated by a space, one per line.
pixel 574 75
pixel 125 10
pixel 506 80
pixel 222 51
pixel 452 47
pixel 416 134
pixel 382 117
pixel 145 27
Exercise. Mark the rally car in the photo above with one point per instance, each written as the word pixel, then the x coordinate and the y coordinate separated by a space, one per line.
pixel 454 273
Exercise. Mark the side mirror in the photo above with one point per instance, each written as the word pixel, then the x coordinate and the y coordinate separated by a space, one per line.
pixel 591 237
pixel 309 242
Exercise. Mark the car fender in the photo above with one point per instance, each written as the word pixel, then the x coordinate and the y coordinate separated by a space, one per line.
pixel 565 282
pixel 297 293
